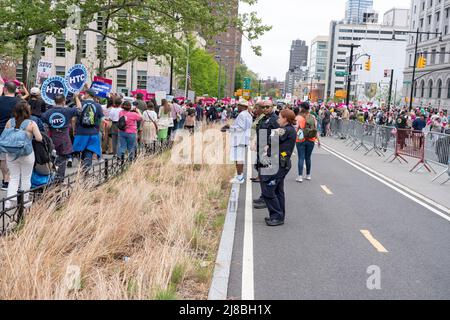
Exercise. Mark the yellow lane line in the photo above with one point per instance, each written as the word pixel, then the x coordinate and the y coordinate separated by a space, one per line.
pixel 374 242
pixel 327 190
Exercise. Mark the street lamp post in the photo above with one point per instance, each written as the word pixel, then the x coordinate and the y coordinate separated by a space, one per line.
pixel 219 58
pixel 349 79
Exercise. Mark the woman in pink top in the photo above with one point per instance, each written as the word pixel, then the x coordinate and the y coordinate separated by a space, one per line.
pixel 128 134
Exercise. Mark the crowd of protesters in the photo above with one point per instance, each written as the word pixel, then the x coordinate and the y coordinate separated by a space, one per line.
pixel 38 142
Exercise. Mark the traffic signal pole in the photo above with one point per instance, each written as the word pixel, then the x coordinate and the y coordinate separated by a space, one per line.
pixel 414 71
pixel 349 80
pixel 390 90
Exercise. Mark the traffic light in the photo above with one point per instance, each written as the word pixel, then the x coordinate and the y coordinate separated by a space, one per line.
pixel 368 65
pixel 422 62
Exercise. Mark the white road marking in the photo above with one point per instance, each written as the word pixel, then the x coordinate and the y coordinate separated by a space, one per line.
pixel 374 242
pixel 412 195
pixel 248 290
pixel 327 190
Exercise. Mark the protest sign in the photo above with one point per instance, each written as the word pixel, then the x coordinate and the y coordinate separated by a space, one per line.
pixel 76 78
pixel 159 96
pixel 101 89
pixel 155 84
pixel 170 98
pixel 51 87
pixel 103 80
pixel 191 95
pixel 45 71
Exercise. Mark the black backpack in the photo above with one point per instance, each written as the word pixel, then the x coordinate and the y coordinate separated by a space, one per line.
pixel 87 119
pixel 43 152
pixel 122 124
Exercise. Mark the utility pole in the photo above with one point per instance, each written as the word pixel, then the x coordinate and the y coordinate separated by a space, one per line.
pixel 414 71
pixel 349 80
pixel 186 87
pixel 390 89
pixel 220 78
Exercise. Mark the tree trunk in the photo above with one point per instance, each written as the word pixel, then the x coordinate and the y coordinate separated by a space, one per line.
pixel 79 52
pixel 25 63
pixel 36 56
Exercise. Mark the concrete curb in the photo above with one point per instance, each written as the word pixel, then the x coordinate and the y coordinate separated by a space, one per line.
pixel 219 285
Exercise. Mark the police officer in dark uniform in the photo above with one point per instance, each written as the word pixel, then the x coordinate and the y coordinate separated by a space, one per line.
pixel 265 126
pixel 272 185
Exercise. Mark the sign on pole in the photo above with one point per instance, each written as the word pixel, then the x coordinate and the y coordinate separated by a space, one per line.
pixel 247 83
pixel 76 78
pixel 191 95
pixel 51 87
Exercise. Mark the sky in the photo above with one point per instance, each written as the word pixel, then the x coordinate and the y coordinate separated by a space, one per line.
pixel 295 19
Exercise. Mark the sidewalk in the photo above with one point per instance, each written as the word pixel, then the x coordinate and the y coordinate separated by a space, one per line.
pixel 419 181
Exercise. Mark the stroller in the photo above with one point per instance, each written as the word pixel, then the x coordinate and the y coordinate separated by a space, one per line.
pixel 44 167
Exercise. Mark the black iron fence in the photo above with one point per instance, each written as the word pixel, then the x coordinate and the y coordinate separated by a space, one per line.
pixel 13 209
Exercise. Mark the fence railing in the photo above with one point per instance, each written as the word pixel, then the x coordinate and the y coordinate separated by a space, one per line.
pixel 13 209
pixel 429 148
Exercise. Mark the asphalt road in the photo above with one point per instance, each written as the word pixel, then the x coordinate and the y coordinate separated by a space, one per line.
pixel 340 226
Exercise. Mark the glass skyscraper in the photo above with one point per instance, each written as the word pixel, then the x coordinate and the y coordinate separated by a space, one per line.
pixel 355 9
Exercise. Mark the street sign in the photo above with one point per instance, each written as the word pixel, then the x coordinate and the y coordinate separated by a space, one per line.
pixel 247 83
pixel 341 74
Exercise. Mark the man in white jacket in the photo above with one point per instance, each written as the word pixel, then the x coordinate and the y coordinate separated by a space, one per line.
pixel 240 139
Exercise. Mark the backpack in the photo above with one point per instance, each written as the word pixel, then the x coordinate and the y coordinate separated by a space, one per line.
pixel 87 119
pixel 122 124
pixel 310 131
pixel 16 142
pixel 43 152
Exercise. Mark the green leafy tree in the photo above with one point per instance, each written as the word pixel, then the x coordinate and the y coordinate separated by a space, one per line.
pixel 204 73
pixel 155 28
pixel 242 72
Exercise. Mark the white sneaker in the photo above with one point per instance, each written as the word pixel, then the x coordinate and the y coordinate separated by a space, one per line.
pixel 238 180
pixel 299 179
pixel 308 177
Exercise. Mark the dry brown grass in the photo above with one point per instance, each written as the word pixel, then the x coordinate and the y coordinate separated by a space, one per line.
pixel 151 233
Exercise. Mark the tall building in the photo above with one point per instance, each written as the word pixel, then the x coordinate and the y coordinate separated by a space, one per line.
pixel 299 54
pixel 298 62
pixel 318 67
pixel 342 36
pixel 355 10
pixel 433 87
pixel 226 47
pixel 396 17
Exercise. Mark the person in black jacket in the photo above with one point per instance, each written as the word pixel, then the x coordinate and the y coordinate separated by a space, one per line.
pixel 272 184
pixel 264 129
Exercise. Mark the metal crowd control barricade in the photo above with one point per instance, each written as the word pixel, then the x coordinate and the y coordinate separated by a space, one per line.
pixel 411 144
pixel 377 141
pixel 345 129
pixel 437 150
pixel 352 136
pixel 361 133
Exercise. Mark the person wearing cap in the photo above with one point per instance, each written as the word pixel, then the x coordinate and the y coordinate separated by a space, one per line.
pixel 37 104
pixel 240 139
pixel 264 129
pixel 87 132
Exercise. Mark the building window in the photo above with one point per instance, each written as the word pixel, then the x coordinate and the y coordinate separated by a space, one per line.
pixel 433 57
pixel 439 87
pixel 415 89
pixel 142 80
pixel 43 50
pixel 83 46
pixel 430 91
pixel 61 46
pixel 101 46
pixel 60 71
pixel 442 56
pixel 422 89
pixel 100 22
pixel 448 89
pixel 121 78
pixel 19 72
